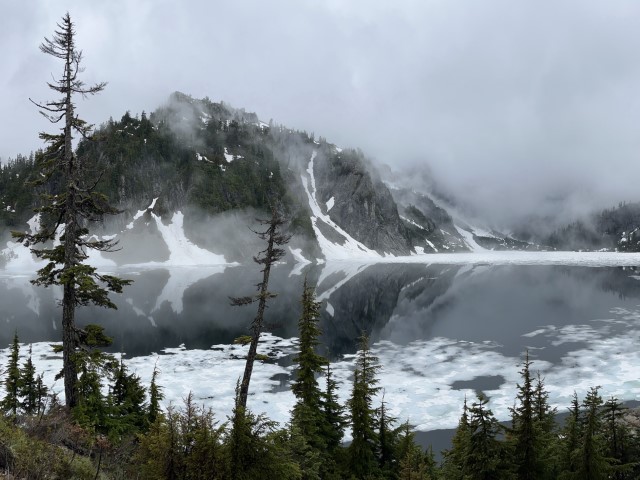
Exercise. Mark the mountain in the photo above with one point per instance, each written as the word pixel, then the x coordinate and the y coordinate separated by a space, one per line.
pixel 191 176
pixel 616 228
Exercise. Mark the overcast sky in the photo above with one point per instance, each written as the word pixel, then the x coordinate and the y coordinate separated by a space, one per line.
pixel 514 105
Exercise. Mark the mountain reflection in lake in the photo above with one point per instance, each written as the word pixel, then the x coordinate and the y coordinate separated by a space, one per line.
pixel 463 326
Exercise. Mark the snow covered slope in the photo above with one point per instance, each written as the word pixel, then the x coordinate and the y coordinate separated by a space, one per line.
pixel 176 250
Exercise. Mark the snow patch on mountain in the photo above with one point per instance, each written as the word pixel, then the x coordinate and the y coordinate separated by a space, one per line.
pixel 330 203
pixel 183 252
pixel 469 240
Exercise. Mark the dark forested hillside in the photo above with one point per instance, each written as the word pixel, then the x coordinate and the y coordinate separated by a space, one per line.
pixel 613 228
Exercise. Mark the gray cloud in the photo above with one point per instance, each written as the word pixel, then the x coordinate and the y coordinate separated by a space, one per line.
pixel 510 103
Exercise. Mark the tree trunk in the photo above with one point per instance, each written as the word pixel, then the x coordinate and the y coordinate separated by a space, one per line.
pixel 70 233
pixel 256 326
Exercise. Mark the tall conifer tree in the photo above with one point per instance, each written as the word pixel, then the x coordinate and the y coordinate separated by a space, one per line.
pixel 485 458
pixel 525 432
pixel 29 386
pixel 454 463
pixel 362 451
pixel 72 207
pixel 11 401
pixel 334 413
pixel 307 415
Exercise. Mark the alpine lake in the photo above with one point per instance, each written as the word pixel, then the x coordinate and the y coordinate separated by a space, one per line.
pixel 441 332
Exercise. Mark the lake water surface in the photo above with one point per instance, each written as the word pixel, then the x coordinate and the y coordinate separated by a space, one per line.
pixel 441 332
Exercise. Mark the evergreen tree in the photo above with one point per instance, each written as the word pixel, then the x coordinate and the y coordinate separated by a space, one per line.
pixel 485 458
pixel 618 436
pixel 28 387
pixel 526 433
pixel 307 413
pixel 94 409
pixel 545 425
pixel 362 451
pixel 256 450
pixel 387 441
pixel 334 413
pixel 155 397
pixel 543 414
pixel 593 462
pixel 413 464
pixel 267 257
pixel 70 208
pixel 454 465
pixel 41 394
pixel 128 399
pixel 570 436
pixel 11 401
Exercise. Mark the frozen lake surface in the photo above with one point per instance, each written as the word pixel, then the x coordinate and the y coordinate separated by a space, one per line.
pixel 443 326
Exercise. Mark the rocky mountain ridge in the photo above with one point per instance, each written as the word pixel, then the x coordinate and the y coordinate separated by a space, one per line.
pixel 213 169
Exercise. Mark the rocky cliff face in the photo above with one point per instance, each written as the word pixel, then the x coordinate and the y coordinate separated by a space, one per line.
pixel 358 201
pixel 431 227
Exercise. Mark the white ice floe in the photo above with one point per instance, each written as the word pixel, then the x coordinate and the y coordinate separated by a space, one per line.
pixel 417 378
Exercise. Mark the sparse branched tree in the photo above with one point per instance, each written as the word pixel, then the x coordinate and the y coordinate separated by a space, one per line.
pixel 65 213
pixel 267 258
